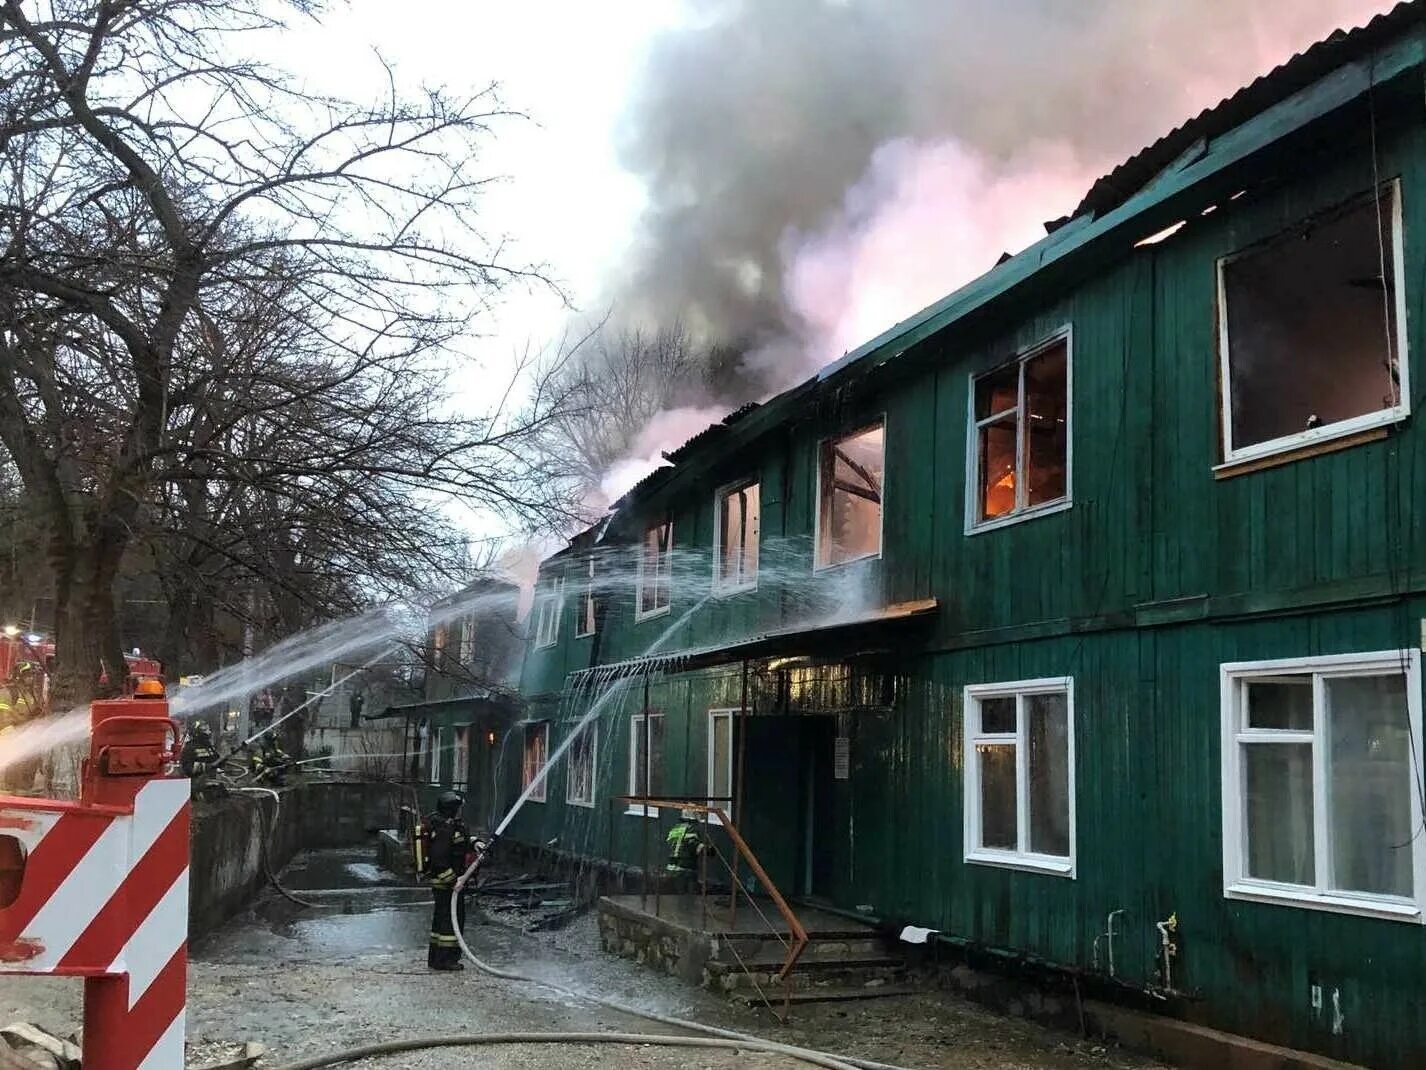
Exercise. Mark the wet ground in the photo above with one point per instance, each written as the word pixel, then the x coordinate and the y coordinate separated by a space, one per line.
pixel 350 970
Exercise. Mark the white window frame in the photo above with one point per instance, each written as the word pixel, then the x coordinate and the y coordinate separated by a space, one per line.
pixel 636 731
pixel 1022 857
pixel 639 613
pixel 550 610
pixel 721 587
pixel 592 728
pixel 584 608
pixel 541 792
pixel 1021 513
pixel 1367 421
pixel 817 565
pixel 713 717
pixel 467 641
pixel 1236 882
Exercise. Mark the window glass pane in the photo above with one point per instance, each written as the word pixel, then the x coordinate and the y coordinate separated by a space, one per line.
pixel 997 468
pixel 652 766
pixel 1311 325
pixel 997 715
pixel 720 757
pixel 535 739
pixel 997 392
pixel 997 795
pixel 1284 702
pixel 851 476
pixel 581 766
pixel 1047 725
pixel 654 568
pixel 1369 784
pixel 1278 813
pixel 1047 424
pixel 738 536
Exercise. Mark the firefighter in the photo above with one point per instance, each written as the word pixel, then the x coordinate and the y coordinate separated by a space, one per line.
pixel 443 850
pixel 685 848
pixel 269 763
pixel 199 761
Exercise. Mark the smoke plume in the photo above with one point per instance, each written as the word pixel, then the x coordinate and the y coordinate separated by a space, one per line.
pixel 819 169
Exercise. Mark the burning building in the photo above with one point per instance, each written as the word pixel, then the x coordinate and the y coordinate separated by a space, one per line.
pixel 1083 600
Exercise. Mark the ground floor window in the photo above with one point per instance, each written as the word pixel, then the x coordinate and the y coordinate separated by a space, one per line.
pixel 537 746
pixel 645 760
pixel 1019 774
pixel 1322 789
pixel 720 760
pixel 583 759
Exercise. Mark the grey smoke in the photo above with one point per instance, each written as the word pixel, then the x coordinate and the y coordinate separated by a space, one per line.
pixel 750 124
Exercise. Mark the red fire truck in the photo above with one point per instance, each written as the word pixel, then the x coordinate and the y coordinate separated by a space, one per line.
pixel 26 660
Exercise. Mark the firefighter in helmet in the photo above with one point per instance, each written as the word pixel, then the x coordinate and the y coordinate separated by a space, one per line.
pixel 269 763
pixel 685 849
pixel 443 850
pixel 199 761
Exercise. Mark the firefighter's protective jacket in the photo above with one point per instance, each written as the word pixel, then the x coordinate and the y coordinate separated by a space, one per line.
pixel 446 847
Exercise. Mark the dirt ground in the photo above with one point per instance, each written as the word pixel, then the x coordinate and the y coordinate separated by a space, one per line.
pixel 352 971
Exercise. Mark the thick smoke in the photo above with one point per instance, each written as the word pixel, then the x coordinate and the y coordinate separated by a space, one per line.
pixel 818 169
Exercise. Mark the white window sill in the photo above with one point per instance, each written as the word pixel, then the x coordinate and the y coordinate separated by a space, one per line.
pixel 640 616
pixel 535 799
pixel 1336 902
pixel 583 635
pixel 1032 513
pixel 586 804
pixel 641 811
pixel 545 646
pixel 722 590
pixel 1340 429
pixel 1059 867
pixel 830 565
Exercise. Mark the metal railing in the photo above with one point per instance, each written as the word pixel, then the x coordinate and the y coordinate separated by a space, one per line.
pixel 794 943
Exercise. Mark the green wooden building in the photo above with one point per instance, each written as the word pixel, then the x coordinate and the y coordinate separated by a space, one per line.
pixel 1087 598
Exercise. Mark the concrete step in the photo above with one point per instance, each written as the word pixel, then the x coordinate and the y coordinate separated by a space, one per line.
pixel 822 994
pixel 819 947
pixel 847 971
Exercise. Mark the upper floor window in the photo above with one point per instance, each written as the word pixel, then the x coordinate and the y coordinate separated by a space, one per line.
pixel 850 476
pixel 1020 449
pixel 467 641
pixel 655 567
pixel 1312 330
pixel 735 548
pixel 1321 784
pixel 439 639
pixel 585 621
pixel 550 605
pixel 1019 775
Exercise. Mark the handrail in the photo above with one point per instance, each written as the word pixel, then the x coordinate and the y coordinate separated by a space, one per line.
pixel 794 925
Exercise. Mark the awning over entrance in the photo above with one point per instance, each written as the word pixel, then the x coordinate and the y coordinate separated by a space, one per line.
pixel 843 637
pixel 488 702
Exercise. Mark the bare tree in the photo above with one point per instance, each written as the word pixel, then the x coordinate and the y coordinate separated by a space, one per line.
pixel 219 295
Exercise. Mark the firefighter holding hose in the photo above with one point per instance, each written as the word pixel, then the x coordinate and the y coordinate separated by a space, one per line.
pixel 443 850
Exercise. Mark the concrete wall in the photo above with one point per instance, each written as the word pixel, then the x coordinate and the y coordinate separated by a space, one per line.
pixel 226 863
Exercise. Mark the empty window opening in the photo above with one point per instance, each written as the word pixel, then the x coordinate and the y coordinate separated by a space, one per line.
pixel 537 747
pixel 850 477
pixel 551 605
pixel 736 551
pixel 1320 799
pixel 1021 434
pixel 586 622
pixel 1311 343
pixel 655 568
pixel 646 760
pixel 1019 780
pixel 583 757
pixel 720 760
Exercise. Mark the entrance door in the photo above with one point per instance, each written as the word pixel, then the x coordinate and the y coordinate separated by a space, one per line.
pixel 786 795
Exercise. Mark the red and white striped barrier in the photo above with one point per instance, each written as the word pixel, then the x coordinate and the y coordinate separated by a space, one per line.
pixel 102 889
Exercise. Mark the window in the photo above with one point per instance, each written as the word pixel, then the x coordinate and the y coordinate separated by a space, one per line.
pixel 720 760
pixel 1311 330
pixel 1019 775
pixel 655 564
pixel 467 641
pixel 850 472
pixel 735 540
pixel 460 770
pixel 551 606
pixel 586 621
pixel 583 760
pixel 532 769
pixel 645 760
pixel 438 647
pixel 1321 783
pixel 1020 427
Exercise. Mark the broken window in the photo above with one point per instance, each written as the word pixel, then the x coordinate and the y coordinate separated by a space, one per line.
pixel 655 567
pixel 586 622
pixel 850 475
pixel 1323 806
pixel 537 747
pixel 1021 450
pixel 460 766
pixel 645 760
pixel 1310 339
pixel 720 760
pixel 736 547
pixel 1019 775
pixel 551 605
pixel 467 641
pixel 583 754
